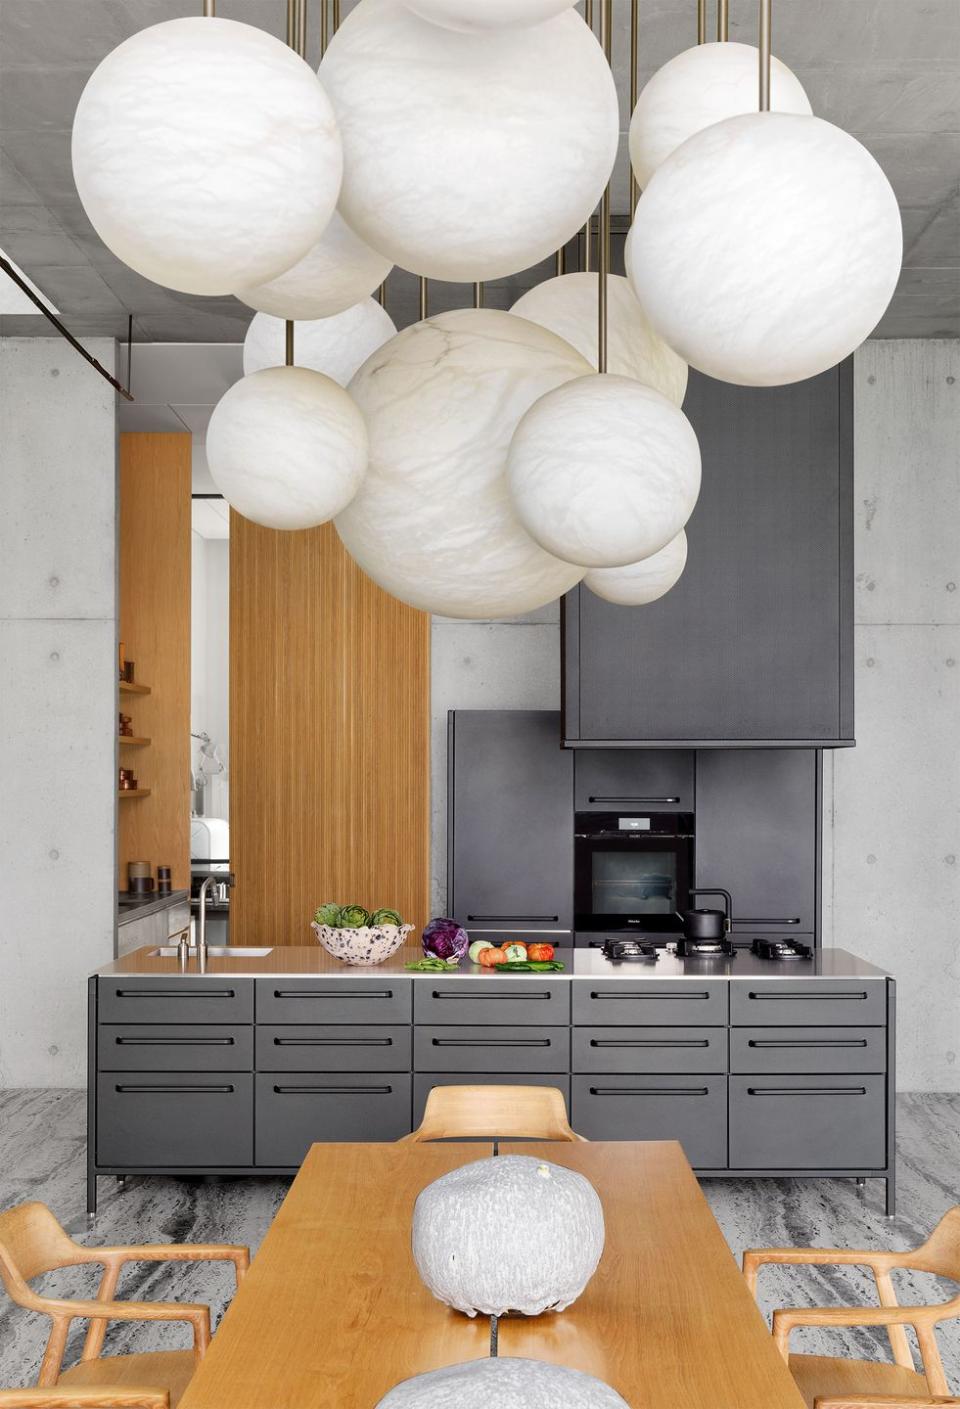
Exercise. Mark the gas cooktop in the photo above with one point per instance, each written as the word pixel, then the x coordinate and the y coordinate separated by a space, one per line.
pixel 781 949
pixel 705 949
pixel 633 951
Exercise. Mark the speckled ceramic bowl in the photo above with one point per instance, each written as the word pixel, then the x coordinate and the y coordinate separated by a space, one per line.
pixel 370 944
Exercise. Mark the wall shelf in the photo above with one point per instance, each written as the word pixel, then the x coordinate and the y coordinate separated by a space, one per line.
pixel 133 792
pixel 128 687
pixel 133 741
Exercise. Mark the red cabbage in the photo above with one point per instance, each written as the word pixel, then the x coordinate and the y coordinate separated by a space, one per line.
pixel 444 939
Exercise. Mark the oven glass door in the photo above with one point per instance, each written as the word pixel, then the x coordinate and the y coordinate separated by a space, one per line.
pixel 635 882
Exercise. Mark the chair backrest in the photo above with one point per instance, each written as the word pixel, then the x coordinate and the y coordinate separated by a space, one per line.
pixel 495 1112
pixel 67 1398
pixel 32 1242
pixel 940 1254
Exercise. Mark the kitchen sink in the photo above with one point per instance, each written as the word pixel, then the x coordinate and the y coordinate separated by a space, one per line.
pixel 214 951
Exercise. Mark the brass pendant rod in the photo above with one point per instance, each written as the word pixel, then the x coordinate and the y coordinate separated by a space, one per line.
pixel 381 294
pixel 288 343
pixel 603 234
pixel 588 228
pixel 423 299
pixel 301 44
pixel 478 295
pixel 766 19
pixel 209 9
pixel 296 11
pixel 723 20
pixel 336 15
pixel 634 87
pixel 701 21
pixel 324 28
pixel 292 24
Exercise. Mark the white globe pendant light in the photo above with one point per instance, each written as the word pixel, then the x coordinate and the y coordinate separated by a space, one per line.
pixel 335 274
pixel 502 1383
pixel 469 156
pixel 487 14
pixel 206 154
pixel 337 346
pixel 287 447
pixel 697 88
pixel 604 471
pixel 567 305
pixel 637 584
pixel 432 522
pixel 804 242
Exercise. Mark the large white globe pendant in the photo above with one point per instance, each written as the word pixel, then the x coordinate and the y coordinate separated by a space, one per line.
pixel 487 14
pixel 505 1382
pixel 336 273
pixel 567 305
pixel 432 522
pixel 804 242
pixel 697 88
pixel 206 154
pixel 604 471
pixel 637 584
pixel 337 346
pixel 287 447
pixel 469 156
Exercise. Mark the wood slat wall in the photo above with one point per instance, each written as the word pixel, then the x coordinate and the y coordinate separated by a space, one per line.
pixel 329 737
pixel 155 472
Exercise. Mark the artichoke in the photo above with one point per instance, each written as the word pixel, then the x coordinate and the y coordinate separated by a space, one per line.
pixel 327 914
pixel 383 916
pixel 353 917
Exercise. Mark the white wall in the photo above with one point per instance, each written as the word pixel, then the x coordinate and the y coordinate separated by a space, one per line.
pixel 58 701
pixel 210 660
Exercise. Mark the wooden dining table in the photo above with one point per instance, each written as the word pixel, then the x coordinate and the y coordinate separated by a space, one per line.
pixel 333 1312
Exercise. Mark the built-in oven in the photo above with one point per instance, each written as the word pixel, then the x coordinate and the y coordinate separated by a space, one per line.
pixel 632 871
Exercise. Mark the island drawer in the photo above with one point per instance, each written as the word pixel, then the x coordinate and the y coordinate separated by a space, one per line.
pixel 339 1047
pixel 808 1003
pixel 423 1084
pixel 379 999
pixel 174 1047
pixel 691 1109
pixel 808 1049
pixel 653 1002
pixel 807 1122
pixel 493 999
pixel 481 1049
pixel 198 1120
pixel 649 1049
pixel 177 999
pixel 296 1109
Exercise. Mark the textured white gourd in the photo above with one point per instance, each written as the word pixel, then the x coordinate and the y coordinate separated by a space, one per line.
pixel 487 14
pixel 337 346
pixel 469 156
pixel 336 273
pixel 504 1383
pixel 567 305
pixel 511 1233
pixel 637 584
pixel 206 154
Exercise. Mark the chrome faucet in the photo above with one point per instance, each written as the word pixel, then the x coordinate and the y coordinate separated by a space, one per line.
pixel 221 877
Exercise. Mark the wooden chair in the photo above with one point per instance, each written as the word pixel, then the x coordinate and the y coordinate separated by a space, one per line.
pixel 32 1242
pixel 835 1383
pixel 884 1401
pixel 84 1399
pixel 496 1113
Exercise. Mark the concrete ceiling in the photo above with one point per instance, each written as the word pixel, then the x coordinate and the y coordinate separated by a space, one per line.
pixel 886 70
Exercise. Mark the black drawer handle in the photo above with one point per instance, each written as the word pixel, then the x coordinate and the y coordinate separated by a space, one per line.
pixel 491 1042
pixel 174 1041
pixel 810 1042
pixel 176 1090
pixel 649 1042
pixel 337 992
pixel 644 800
pixel 333 1042
pixel 176 993
pixel 649 1090
pixel 614 996
pixel 514 919
pixel 332 1090
pixel 809 997
pixel 806 1090
pixel 539 996
pixel 775 920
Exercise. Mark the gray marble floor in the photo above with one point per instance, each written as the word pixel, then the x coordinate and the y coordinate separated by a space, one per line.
pixel 42 1149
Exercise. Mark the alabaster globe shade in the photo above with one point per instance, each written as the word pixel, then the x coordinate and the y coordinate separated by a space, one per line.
pixel 487 14
pixel 432 522
pixel 287 447
pixel 639 583
pixel 513 1233
pixel 567 305
pixel 502 1383
pixel 697 88
pixel 336 273
pixel 170 145
pixel 604 471
pixel 337 346
pixel 804 242
pixel 469 156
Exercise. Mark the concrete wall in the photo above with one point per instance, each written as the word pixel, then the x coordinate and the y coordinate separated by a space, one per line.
pixel 58 702
pixel 892 807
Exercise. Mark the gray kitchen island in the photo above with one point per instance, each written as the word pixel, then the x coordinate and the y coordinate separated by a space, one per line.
pixel 759 1069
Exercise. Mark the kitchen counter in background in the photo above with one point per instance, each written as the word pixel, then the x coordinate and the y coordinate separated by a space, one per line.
pixel 146 921
pixel 138 907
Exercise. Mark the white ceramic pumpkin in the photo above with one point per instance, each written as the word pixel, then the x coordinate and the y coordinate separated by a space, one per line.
pixel 511 1233
pixel 504 1383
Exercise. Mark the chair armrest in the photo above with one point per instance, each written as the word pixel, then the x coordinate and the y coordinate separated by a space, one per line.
pixel 882 1401
pixel 192 1313
pixel 755 1258
pixel 66 1398
pixel 790 1318
pixel 179 1252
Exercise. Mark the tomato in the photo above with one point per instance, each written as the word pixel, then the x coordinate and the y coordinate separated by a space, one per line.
pixel 539 952
pixel 489 958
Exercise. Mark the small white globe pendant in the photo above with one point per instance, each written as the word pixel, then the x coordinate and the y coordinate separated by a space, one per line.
pixel 697 88
pixel 604 471
pixel 487 14
pixel 337 346
pixel 339 271
pixel 287 447
pixel 169 140
pixel 502 1383
pixel 805 246
pixel 637 584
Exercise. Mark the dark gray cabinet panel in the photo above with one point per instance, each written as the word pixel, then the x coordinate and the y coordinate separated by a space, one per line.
pixel 652 1003
pixel 811 1002
pixel 492 1049
pixel 754 642
pixel 303 1000
pixel 691 1109
pixel 171 1120
pixel 757 835
pixel 424 1082
pixel 510 818
pixel 176 1000
pixel 634 779
pixel 175 1047
pixel 807 1122
pixel 295 1109
pixel 808 1049
pixel 334 1048
pixel 493 999
pixel 650 1049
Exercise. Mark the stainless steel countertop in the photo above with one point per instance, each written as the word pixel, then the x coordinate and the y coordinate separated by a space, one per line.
pixel 307 961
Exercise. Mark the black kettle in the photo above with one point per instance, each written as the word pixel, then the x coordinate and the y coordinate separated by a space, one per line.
pixel 708 924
